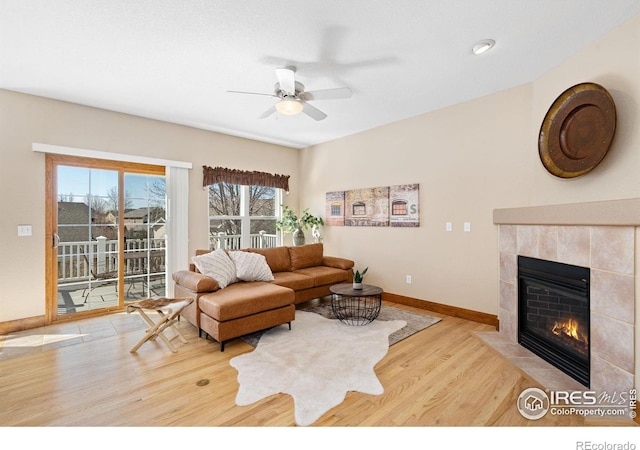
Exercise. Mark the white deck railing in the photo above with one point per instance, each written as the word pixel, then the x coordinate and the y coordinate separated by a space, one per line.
pixel 234 241
pixel 79 261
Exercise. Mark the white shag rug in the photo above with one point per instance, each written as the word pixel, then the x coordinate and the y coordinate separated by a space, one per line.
pixel 316 362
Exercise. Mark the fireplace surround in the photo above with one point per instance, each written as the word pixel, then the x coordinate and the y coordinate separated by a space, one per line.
pixel 600 236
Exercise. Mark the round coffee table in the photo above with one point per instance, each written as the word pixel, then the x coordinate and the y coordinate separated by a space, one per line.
pixel 356 306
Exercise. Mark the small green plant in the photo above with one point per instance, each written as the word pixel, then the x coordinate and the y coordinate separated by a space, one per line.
pixel 290 221
pixel 357 276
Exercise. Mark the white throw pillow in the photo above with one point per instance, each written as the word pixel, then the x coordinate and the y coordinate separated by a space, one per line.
pixel 251 266
pixel 218 266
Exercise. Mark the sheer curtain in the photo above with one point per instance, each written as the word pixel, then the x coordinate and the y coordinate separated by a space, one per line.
pixel 177 222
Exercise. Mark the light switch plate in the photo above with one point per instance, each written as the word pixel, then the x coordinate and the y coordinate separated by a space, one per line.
pixel 24 230
pixel 448 226
pixel 467 226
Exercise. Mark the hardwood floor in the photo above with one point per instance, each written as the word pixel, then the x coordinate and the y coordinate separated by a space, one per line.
pixel 442 376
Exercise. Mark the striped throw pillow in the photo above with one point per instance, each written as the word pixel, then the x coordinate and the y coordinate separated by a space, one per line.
pixel 251 266
pixel 218 266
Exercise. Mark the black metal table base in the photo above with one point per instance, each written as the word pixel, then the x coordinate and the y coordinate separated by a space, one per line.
pixel 355 306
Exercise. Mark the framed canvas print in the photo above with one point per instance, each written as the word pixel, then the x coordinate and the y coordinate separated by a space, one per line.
pixel 404 205
pixel 367 207
pixel 334 210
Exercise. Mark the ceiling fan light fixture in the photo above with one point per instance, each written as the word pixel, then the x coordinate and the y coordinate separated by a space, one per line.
pixel 483 46
pixel 289 106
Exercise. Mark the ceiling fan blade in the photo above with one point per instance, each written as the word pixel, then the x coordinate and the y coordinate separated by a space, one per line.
pixel 287 80
pixel 267 113
pixel 251 93
pixel 328 94
pixel 313 112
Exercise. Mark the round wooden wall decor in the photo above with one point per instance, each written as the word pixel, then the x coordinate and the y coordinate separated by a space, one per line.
pixel 577 131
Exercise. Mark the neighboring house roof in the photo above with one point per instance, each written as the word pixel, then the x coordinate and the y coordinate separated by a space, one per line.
pixel 153 214
pixel 74 223
pixel 140 213
pixel 73 213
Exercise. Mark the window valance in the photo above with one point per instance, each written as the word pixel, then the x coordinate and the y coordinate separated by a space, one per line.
pixel 243 177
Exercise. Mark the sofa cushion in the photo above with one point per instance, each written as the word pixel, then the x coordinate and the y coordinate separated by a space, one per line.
pixel 218 266
pixel 305 256
pixel 293 280
pixel 323 275
pixel 338 263
pixel 251 266
pixel 277 257
pixel 245 298
pixel 195 282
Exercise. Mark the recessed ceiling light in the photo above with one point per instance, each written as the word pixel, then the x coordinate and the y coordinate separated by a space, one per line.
pixel 483 46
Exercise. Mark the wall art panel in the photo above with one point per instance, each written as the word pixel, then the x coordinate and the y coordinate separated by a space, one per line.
pixel 367 207
pixel 334 211
pixel 404 205
pixel 396 206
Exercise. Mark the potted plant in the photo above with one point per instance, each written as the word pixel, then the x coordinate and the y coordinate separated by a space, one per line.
pixel 291 223
pixel 358 277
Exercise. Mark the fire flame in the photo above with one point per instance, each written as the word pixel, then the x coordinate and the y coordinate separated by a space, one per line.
pixel 569 328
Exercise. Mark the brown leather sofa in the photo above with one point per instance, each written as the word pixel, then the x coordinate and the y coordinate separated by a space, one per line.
pixel 300 274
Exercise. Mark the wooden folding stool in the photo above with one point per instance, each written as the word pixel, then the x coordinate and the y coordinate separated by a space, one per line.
pixel 169 310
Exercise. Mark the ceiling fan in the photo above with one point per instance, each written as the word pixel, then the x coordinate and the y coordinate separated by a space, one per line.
pixel 293 98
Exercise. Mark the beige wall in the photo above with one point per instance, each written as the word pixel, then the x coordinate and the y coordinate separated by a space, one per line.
pixel 26 119
pixel 463 157
pixel 614 62
pixel 470 159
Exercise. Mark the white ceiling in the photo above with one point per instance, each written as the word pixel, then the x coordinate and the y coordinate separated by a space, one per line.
pixel 174 60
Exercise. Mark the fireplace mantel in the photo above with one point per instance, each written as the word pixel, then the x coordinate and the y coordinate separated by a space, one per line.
pixel 624 212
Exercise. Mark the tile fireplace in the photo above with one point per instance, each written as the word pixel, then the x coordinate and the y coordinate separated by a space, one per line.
pixel 599 237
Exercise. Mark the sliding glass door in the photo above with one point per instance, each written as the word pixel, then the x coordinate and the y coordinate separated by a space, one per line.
pixel 106 221
pixel 145 236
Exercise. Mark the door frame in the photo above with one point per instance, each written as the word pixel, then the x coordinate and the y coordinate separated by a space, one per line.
pixel 51 221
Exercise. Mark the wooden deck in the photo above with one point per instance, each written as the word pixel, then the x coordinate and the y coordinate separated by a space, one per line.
pixel 77 298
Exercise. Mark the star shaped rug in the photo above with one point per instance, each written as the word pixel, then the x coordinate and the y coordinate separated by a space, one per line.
pixel 316 362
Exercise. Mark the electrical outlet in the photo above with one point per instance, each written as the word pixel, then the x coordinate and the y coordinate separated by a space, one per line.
pixel 467 226
pixel 408 279
pixel 448 226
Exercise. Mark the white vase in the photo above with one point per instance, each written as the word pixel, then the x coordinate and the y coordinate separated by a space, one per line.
pixel 357 286
pixel 315 232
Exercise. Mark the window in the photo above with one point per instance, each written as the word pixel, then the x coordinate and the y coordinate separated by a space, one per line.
pixel 399 208
pixel 243 216
pixel 336 209
pixel 359 209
